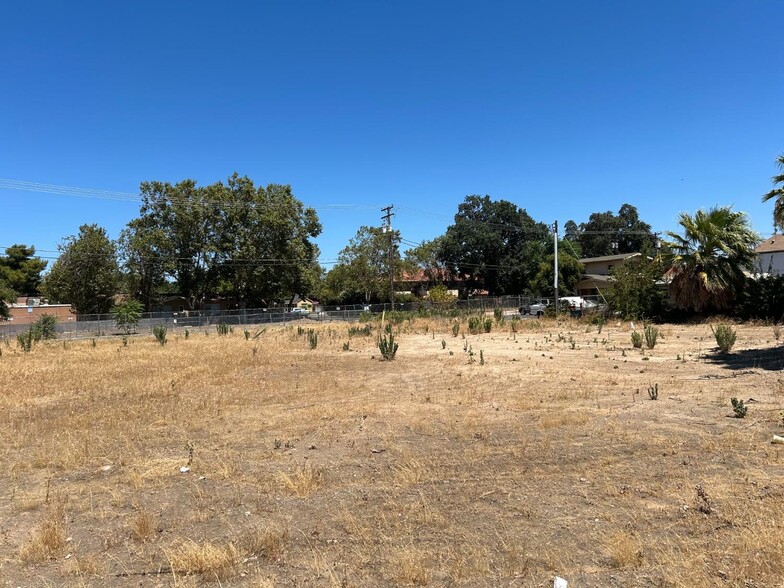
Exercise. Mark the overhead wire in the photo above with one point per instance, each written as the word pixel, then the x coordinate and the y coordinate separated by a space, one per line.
pixel 56 189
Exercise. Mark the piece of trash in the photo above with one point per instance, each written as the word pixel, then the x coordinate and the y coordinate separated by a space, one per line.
pixel 560 583
pixel 106 468
pixel 778 440
pixel 374 450
pixel 184 469
pixel 202 477
pixel 68 556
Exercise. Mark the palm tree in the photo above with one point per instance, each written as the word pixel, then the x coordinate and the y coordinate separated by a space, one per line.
pixel 705 265
pixel 778 194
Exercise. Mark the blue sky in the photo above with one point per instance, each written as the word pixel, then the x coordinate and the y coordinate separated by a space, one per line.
pixel 564 108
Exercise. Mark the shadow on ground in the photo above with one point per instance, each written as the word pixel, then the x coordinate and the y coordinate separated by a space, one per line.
pixel 766 359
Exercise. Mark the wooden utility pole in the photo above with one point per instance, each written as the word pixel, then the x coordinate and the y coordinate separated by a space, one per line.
pixel 387 218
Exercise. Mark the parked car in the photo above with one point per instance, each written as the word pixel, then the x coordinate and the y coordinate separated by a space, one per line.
pixel 536 307
pixel 300 311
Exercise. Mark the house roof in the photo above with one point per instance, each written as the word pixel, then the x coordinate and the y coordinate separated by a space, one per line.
pixel 618 257
pixel 421 275
pixel 771 244
pixel 594 281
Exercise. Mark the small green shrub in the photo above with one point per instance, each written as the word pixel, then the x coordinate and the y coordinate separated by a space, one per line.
pixel 347 346
pixel 600 323
pixel 651 336
pixel 738 408
pixel 636 339
pixel 246 332
pixel 387 346
pixel 187 333
pixel 653 392
pixel 160 334
pixel 481 357
pixel 44 327
pixel 312 338
pixel 359 331
pixel 127 315
pixel 475 324
pixel 443 344
pixel 488 325
pixel 222 328
pixel 455 329
pixel 725 337
pixel 25 340
pixel 498 314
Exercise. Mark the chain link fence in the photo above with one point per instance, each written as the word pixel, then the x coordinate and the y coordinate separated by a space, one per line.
pixel 99 325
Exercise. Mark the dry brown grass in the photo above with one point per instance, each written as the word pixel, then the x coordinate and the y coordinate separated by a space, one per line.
pixel 328 468
pixel 48 539
pixel 143 526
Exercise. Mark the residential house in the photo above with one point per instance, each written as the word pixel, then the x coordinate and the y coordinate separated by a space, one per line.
pixel 770 255
pixel 419 282
pixel 597 276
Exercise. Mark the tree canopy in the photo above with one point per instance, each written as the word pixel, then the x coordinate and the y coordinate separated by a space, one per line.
pixel 635 292
pixel 20 270
pixel 362 271
pixel 86 274
pixel 570 270
pixel 777 193
pixel 705 265
pixel 6 295
pixel 235 239
pixel 495 244
pixel 606 233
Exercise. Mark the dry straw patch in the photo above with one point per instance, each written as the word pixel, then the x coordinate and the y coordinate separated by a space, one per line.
pixel 48 539
pixel 549 459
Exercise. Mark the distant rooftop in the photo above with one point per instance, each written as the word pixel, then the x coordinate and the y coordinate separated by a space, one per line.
pixel 771 244
pixel 618 257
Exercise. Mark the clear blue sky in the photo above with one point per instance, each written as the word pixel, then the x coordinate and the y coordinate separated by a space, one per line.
pixel 564 108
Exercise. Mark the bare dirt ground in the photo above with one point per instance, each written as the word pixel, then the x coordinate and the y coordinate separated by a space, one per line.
pixel 542 455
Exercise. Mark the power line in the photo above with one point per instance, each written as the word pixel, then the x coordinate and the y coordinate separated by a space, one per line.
pixel 60 190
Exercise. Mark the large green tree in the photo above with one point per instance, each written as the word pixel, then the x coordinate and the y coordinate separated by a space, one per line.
pixel 265 243
pixel 606 233
pixel 251 243
pixel 777 193
pixel 364 265
pixel 144 264
pixel 495 244
pixel 427 258
pixel 7 295
pixel 20 270
pixel 86 274
pixel 570 270
pixel 705 265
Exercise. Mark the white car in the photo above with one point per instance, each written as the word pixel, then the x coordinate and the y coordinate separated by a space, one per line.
pixel 300 311
pixel 535 308
pixel 577 302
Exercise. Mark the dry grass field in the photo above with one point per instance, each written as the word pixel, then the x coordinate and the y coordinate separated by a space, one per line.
pixel 541 456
